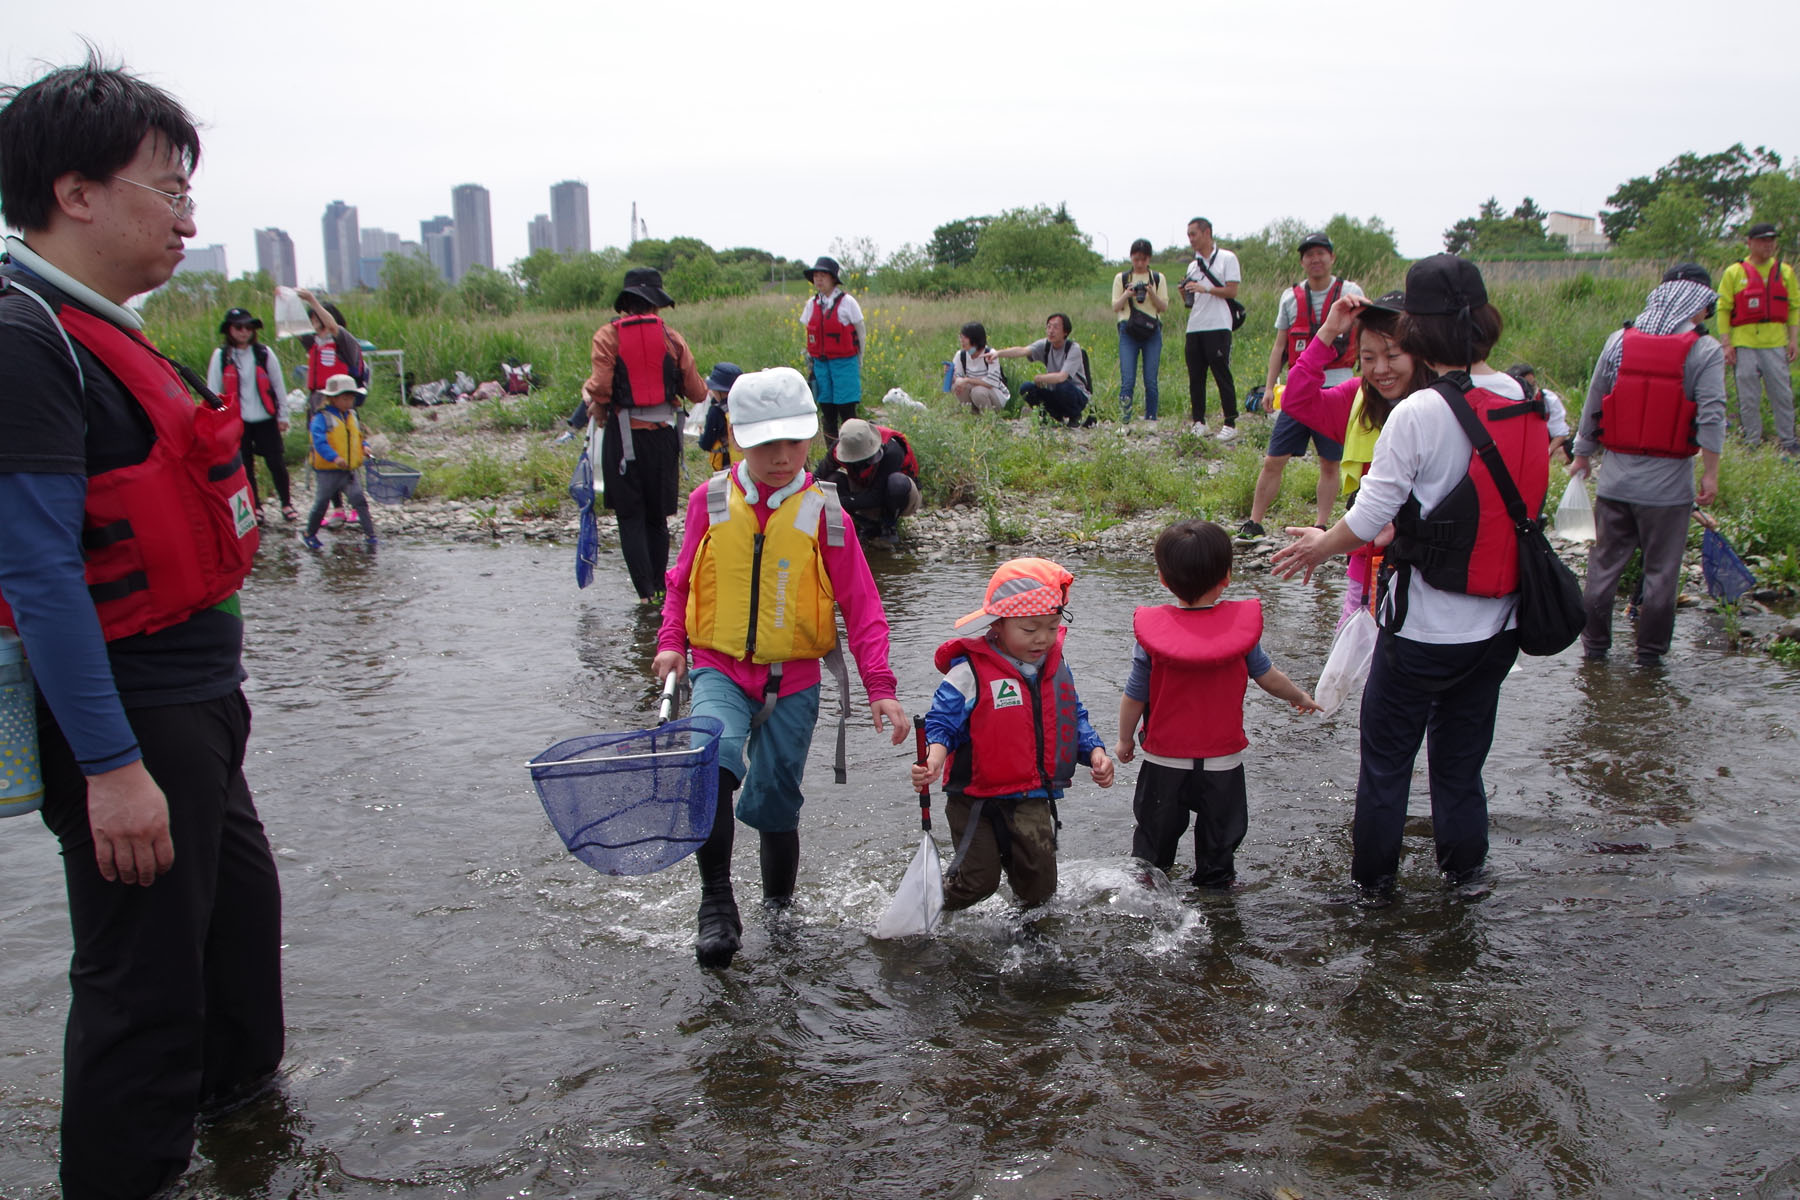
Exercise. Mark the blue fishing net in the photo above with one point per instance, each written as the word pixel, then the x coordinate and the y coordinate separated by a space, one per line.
pixel 633 803
pixel 1726 575
pixel 587 542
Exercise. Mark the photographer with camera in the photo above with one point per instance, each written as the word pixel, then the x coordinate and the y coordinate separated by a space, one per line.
pixel 1140 296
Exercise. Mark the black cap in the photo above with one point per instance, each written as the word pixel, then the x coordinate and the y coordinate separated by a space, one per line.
pixel 1520 370
pixel 646 284
pixel 1316 239
pixel 827 265
pixel 240 316
pixel 1394 301
pixel 1444 285
pixel 1760 229
pixel 1692 272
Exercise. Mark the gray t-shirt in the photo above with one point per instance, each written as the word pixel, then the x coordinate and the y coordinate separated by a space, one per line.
pixel 1071 358
pixel 1643 478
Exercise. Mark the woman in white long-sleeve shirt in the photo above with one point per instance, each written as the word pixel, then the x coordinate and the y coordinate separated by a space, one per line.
pixel 256 389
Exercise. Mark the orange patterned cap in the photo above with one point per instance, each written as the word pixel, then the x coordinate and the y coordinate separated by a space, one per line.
pixel 1024 587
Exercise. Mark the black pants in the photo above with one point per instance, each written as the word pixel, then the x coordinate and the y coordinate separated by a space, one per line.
pixel 1166 795
pixel 1446 696
pixel 1210 350
pixel 1061 402
pixel 176 987
pixel 264 438
pixel 642 494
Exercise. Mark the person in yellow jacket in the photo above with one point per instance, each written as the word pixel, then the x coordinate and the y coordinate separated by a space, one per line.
pixel 1759 303
pixel 337 452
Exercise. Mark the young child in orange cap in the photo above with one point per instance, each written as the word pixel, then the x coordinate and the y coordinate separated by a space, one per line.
pixel 1008 722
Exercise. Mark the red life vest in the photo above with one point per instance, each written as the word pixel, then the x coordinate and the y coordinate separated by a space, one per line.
pixel 1197 676
pixel 861 472
pixel 265 387
pixel 1467 543
pixel 646 371
pixel 1761 300
pixel 1648 410
pixel 1026 729
pixel 323 361
pixel 826 335
pixel 1306 326
pixel 174 534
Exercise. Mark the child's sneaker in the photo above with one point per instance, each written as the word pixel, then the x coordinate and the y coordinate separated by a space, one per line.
pixel 1251 531
pixel 311 542
pixel 335 519
pixel 371 543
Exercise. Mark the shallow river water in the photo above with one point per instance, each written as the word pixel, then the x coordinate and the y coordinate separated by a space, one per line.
pixel 471 1012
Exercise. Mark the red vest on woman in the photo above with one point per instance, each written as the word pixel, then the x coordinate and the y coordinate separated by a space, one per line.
pixel 1305 327
pixel 1025 729
pixel 1197 676
pixel 646 372
pixel 1648 410
pixel 1761 299
pixel 1467 543
pixel 265 387
pixel 174 534
pixel 826 335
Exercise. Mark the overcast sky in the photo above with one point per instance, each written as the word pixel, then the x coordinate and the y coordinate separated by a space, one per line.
pixel 785 126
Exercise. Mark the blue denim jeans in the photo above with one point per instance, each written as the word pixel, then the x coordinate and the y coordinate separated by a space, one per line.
pixel 1129 349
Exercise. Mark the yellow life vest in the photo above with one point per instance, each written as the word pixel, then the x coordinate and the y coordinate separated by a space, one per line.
pixel 346 439
pixel 1359 443
pixel 763 595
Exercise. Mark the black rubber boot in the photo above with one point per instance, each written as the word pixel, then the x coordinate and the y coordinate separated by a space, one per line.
pixel 720 928
pixel 780 866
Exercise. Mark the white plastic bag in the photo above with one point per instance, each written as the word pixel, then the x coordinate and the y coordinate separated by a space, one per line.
pixel 919 900
pixel 1348 664
pixel 290 313
pixel 1575 515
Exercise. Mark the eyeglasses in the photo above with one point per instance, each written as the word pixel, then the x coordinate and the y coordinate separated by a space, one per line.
pixel 180 203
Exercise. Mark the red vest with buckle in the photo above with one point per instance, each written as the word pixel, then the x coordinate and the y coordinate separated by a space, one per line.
pixel 1197 676
pixel 826 335
pixel 1305 328
pixel 1467 543
pixel 174 534
pixel 265 387
pixel 1761 299
pixel 1025 729
pixel 646 372
pixel 1648 410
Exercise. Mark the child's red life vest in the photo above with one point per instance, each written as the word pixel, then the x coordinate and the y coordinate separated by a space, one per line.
pixel 1761 299
pixel 176 533
pixel 646 371
pixel 265 387
pixel 1305 327
pixel 1025 729
pixel 1197 676
pixel 1467 543
pixel 826 335
pixel 1648 410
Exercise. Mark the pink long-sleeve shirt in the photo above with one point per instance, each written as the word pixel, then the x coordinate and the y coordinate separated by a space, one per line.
pixel 865 620
pixel 1324 410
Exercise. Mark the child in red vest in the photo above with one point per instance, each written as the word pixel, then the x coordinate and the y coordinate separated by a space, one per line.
pixel 1188 675
pixel 1008 721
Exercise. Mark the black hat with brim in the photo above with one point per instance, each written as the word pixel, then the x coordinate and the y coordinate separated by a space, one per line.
pixel 1394 301
pixel 1760 230
pixel 1692 272
pixel 240 316
pixel 1444 286
pixel 827 265
pixel 646 284
pixel 1316 239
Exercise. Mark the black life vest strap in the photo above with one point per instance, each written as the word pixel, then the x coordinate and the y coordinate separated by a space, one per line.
pixel 118 589
pixel 99 537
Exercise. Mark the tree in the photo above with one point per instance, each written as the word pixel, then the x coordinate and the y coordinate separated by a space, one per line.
pixel 411 284
pixel 530 271
pixel 856 257
pixel 1775 197
pixel 485 290
pixel 1363 248
pixel 1722 181
pixel 1034 247
pixel 953 243
pixel 582 281
pixel 1669 227
pixel 1491 231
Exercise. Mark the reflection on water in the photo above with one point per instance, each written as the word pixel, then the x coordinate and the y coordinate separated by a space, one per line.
pixel 472 1012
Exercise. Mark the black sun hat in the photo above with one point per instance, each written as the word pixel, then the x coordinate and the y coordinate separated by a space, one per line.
pixel 646 284
pixel 240 316
pixel 829 266
pixel 1444 285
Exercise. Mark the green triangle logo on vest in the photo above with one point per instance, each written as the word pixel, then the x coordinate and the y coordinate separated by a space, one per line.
pixel 242 511
pixel 1006 693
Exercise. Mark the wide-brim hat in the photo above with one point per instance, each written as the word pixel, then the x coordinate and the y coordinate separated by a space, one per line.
pixel 646 284
pixel 1760 229
pixel 771 406
pixel 1024 587
pixel 827 265
pixel 723 376
pixel 1315 239
pixel 240 316
pixel 337 385
pixel 857 441
pixel 1444 285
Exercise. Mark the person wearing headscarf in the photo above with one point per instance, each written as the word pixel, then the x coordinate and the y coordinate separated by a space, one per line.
pixel 1656 400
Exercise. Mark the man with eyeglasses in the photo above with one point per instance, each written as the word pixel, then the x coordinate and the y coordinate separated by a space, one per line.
pixel 111 460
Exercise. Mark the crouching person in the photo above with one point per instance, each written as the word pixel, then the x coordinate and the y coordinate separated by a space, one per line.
pixel 1009 723
pixel 762 529
pixel 877 478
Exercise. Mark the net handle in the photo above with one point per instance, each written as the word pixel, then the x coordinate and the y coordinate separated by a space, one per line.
pixel 616 758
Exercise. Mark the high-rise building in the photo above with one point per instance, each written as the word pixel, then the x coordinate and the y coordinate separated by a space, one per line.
pixel 203 258
pixel 569 216
pixel 343 246
pixel 438 237
pixel 474 227
pixel 379 242
pixel 275 257
pixel 540 234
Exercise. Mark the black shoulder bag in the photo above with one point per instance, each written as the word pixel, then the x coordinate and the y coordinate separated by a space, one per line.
pixel 1239 314
pixel 1139 324
pixel 1550 614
